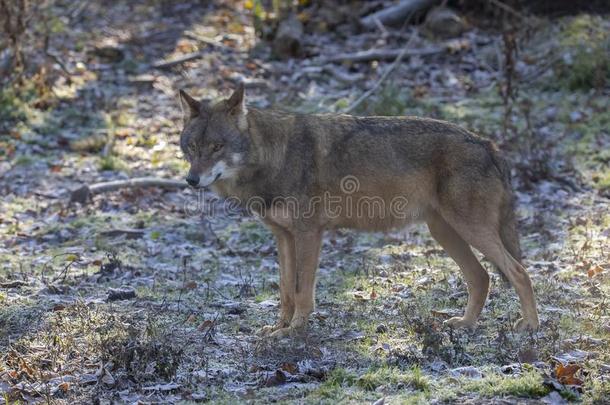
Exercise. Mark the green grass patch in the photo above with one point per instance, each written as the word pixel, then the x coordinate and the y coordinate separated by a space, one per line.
pixel 253 232
pixel 392 100
pixel 601 181
pixel 394 376
pixel 14 103
pixel 585 44
pixel 112 163
pixel 597 391
pixel 334 388
pixel 345 385
pixel 528 384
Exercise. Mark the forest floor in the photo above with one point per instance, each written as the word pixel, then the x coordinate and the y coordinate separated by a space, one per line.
pixel 143 295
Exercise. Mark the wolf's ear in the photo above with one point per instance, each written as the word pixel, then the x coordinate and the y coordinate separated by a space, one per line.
pixel 237 101
pixel 191 108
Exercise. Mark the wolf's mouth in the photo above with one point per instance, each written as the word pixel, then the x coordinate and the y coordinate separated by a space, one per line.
pixel 208 184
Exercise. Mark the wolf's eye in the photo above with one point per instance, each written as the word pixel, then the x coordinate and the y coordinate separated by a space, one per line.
pixel 216 147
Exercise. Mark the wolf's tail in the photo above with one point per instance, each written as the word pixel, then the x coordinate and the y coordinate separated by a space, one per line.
pixel 508 221
pixel 508 229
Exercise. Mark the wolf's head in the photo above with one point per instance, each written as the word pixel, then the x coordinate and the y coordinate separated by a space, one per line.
pixel 214 138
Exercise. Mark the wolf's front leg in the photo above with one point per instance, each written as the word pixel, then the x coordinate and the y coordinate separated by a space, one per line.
pixel 307 252
pixel 286 253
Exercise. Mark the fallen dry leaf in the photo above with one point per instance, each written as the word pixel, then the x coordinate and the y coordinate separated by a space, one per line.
pixel 205 325
pixel 594 271
pixel 565 374
pixel 290 368
pixel 278 378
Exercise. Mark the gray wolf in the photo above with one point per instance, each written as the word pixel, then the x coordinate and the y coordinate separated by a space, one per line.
pixel 379 173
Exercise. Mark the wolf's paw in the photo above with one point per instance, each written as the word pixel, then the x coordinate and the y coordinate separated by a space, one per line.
pixel 523 325
pixel 297 328
pixel 459 322
pixel 269 329
pixel 289 331
pixel 281 333
pixel 265 330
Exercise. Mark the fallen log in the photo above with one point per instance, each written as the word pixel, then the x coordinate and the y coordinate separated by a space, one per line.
pixel 397 14
pixel 84 193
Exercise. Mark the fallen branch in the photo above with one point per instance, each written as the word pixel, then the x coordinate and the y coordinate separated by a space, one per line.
pixel 343 76
pixel 59 62
pixel 207 41
pixel 383 54
pixel 84 193
pixel 396 14
pixel 128 233
pixel 164 64
pixel 13 284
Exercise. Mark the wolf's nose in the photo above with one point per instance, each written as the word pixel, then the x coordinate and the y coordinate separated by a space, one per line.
pixel 192 180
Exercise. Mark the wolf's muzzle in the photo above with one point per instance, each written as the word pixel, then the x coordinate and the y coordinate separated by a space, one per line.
pixel 192 180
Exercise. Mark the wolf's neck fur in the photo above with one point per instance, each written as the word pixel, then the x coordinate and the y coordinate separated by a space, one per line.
pixel 268 132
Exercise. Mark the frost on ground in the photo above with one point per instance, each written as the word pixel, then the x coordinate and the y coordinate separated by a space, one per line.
pixel 155 296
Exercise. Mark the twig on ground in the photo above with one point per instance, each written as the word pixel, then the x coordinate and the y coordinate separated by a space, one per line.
pixel 334 71
pixel 84 193
pixel 184 264
pixel 206 40
pixel 13 284
pixel 59 62
pixel 109 146
pixel 78 10
pixel 164 64
pixel 379 24
pixel 129 233
pixel 549 62
pixel 383 54
pixel 508 9
pixel 385 75
pixel 64 273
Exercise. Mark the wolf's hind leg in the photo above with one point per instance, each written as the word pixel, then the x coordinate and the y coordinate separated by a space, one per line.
pixel 485 237
pixel 519 279
pixel 477 279
pixel 286 254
